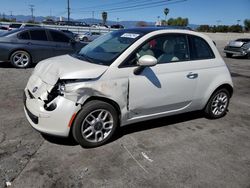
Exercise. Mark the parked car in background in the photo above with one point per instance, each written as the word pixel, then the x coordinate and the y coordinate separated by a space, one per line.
pixel 100 26
pixel 22 47
pixel 49 22
pixel 239 47
pixel 3 28
pixel 127 76
pixel 88 36
pixel 72 23
pixel 117 26
pixel 21 25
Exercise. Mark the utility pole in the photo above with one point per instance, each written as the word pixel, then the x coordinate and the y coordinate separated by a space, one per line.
pixel 68 11
pixel 11 15
pixel 32 11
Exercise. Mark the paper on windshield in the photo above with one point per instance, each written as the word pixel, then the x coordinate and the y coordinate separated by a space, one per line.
pixel 130 35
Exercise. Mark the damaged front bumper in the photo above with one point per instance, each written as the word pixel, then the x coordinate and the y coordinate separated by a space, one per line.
pixel 53 120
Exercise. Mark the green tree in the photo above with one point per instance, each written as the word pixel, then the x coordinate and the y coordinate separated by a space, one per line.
pixel 203 28
pixel 247 24
pixel 141 24
pixel 178 21
pixel 236 28
pixel 164 22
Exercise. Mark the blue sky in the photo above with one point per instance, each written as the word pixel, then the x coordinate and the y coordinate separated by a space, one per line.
pixel 198 11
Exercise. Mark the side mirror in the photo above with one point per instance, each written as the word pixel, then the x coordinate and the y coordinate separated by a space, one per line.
pixel 145 61
pixel 72 41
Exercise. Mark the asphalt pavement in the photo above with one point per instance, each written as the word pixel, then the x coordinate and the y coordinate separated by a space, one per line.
pixel 180 151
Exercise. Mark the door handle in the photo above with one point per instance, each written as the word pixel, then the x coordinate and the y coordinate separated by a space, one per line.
pixel 192 75
pixel 29 43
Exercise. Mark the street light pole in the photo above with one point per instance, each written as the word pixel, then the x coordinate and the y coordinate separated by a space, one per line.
pixel 68 11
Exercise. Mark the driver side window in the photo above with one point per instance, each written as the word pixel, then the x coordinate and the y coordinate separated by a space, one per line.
pixel 166 49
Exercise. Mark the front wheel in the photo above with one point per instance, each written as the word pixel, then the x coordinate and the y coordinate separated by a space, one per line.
pixel 20 59
pixel 228 55
pixel 95 124
pixel 217 104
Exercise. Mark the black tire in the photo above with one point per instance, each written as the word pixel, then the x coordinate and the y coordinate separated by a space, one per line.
pixel 210 111
pixel 228 55
pixel 81 124
pixel 23 56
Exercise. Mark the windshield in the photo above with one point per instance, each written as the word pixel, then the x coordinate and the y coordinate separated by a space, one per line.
pixel 9 32
pixel 105 49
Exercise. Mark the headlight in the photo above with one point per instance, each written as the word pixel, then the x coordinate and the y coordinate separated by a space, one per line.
pixel 61 88
pixel 246 46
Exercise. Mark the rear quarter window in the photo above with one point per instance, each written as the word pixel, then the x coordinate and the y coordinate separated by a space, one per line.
pixel 199 49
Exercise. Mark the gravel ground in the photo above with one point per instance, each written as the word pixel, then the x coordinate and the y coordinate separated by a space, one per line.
pixel 180 151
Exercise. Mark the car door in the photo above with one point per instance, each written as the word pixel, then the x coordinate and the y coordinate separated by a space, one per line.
pixel 39 45
pixel 62 43
pixel 168 86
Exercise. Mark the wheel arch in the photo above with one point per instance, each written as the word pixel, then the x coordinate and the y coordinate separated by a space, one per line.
pixel 107 100
pixel 226 86
pixel 20 49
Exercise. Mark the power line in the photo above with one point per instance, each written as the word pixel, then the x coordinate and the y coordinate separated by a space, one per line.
pixel 111 4
pixel 139 6
pixel 147 7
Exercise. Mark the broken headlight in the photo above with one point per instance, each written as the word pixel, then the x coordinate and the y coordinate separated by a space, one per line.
pixel 57 90
pixel 61 88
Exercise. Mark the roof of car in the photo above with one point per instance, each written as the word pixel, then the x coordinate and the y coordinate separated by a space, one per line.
pixel 15 31
pixel 146 30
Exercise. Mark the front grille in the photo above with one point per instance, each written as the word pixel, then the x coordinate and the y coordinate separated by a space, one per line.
pixel 235 49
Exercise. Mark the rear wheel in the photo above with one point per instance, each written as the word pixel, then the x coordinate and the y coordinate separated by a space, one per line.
pixel 95 124
pixel 217 104
pixel 20 59
pixel 229 55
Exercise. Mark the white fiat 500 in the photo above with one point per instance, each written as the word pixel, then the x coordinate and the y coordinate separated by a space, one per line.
pixel 125 77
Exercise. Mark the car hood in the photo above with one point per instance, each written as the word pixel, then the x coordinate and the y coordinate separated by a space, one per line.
pixel 236 43
pixel 67 67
